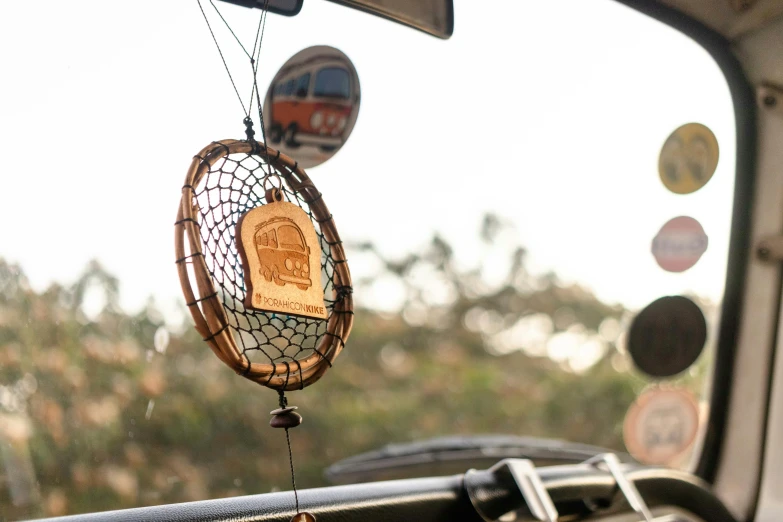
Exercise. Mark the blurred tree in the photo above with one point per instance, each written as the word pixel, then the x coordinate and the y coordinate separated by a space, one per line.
pixel 119 410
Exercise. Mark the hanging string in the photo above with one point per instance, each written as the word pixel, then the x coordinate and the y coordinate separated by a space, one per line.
pixel 255 93
pixel 254 60
pixel 256 54
pixel 232 31
pixel 223 58
pixel 256 46
pixel 293 476
pixel 253 57
pixel 262 26
pixel 284 404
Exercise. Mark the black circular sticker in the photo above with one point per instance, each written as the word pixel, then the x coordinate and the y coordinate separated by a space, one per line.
pixel 667 336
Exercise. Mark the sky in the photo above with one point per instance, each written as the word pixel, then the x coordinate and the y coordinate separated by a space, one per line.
pixel 549 114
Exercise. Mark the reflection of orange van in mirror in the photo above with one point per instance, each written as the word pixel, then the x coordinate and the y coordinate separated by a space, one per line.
pixel 311 103
pixel 283 253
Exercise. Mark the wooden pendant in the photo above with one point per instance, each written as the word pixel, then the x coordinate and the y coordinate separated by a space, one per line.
pixel 281 259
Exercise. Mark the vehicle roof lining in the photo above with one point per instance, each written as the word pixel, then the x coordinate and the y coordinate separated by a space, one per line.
pixel 729 17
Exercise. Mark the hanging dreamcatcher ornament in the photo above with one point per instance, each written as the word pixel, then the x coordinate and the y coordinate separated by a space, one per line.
pixel 261 264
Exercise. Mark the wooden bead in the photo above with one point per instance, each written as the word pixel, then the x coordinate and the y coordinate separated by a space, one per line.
pixel 283 410
pixel 303 517
pixel 289 419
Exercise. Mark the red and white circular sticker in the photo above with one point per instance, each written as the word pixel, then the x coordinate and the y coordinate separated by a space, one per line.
pixel 661 425
pixel 679 244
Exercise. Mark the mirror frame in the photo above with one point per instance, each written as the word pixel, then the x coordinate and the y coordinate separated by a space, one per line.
pixel 445 35
pixel 259 4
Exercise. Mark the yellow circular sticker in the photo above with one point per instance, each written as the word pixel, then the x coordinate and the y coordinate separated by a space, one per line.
pixel 688 158
pixel 661 425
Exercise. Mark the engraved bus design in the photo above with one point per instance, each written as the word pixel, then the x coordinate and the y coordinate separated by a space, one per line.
pixel 311 103
pixel 283 253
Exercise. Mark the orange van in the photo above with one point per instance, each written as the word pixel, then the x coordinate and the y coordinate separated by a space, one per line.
pixel 283 253
pixel 311 103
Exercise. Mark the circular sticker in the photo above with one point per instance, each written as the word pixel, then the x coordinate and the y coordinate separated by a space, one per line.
pixel 688 159
pixel 679 244
pixel 312 105
pixel 661 425
pixel 667 336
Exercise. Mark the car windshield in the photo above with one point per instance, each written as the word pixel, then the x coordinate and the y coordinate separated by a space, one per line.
pixel 332 82
pixel 500 240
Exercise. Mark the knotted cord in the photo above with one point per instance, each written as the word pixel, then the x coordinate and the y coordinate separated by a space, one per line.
pixel 255 94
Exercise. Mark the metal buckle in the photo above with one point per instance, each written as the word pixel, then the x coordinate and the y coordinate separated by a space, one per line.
pixel 533 490
pixel 628 488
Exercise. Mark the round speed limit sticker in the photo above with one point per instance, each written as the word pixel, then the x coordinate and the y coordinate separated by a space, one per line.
pixel 661 425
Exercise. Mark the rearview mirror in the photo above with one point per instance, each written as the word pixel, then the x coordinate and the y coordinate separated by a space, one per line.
pixel 435 17
pixel 282 7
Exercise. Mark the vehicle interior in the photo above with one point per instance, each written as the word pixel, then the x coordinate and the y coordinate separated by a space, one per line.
pixel 564 225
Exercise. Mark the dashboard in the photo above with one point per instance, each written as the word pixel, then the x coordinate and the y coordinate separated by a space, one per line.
pixel 513 489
